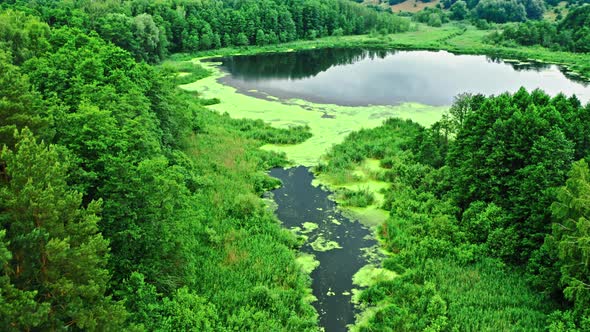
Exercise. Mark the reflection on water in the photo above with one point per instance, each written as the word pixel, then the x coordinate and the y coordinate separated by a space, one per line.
pixel 365 77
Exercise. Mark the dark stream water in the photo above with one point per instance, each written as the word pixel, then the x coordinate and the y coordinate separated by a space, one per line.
pixel 358 77
pixel 298 202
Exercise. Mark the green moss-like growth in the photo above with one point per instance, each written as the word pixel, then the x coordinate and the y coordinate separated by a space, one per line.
pixel 307 262
pixel 322 244
pixel 369 275
pixel 309 227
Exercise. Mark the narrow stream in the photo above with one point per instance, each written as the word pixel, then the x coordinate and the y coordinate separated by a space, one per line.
pixel 299 204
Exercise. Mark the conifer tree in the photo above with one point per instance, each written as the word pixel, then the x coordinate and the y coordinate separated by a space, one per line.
pixel 55 249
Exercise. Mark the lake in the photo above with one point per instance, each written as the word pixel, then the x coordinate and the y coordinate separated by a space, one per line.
pixel 357 77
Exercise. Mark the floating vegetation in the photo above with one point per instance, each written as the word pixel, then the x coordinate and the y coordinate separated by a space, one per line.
pixel 307 262
pixel 370 275
pixel 309 227
pixel 321 244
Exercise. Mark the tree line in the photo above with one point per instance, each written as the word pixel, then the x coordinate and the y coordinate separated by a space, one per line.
pixel 497 11
pixel 151 30
pixel 571 34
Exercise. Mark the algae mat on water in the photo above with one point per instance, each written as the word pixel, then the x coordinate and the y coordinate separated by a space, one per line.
pixel 329 123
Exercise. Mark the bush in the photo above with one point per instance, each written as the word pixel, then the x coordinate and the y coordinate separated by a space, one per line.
pixel 359 198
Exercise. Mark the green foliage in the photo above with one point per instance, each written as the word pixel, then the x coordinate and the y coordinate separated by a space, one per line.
pixel 20 107
pixel 432 16
pixel 22 35
pixel 469 195
pixel 42 215
pixel 359 198
pixel 18 308
pixel 511 150
pixel 441 295
pixel 395 134
pixel 151 41
pixel 571 34
pixel 179 186
pixel 459 11
pixel 571 237
pixel 500 11
pixel 151 30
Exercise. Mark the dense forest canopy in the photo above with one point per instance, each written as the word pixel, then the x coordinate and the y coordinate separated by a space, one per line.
pixel 499 11
pixel 151 30
pixel 487 192
pixel 117 211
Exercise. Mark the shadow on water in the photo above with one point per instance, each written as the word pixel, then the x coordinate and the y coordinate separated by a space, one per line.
pixel 300 202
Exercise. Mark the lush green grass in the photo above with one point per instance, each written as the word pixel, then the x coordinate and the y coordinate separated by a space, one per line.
pixel 453 297
pixel 184 72
pixel 362 197
pixel 248 267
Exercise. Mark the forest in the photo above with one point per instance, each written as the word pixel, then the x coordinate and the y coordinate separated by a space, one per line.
pixel 497 189
pixel 571 34
pixel 117 210
pixel 127 204
pixel 152 30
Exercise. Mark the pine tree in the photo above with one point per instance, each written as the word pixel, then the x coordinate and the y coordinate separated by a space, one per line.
pixel 55 247
pixel 19 107
pixel 571 236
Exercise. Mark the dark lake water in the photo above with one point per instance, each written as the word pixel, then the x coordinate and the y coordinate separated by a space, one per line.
pixel 299 202
pixel 357 77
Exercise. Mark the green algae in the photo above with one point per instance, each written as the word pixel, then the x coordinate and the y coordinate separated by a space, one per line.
pixel 328 123
pixel 307 262
pixel 269 202
pixel 302 238
pixel 322 244
pixel 334 220
pixel 370 216
pixel 370 274
pixel 366 176
pixel 374 254
pixel 309 227
pixel 296 229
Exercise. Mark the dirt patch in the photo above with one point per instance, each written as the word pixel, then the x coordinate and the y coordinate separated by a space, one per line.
pixel 413 6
